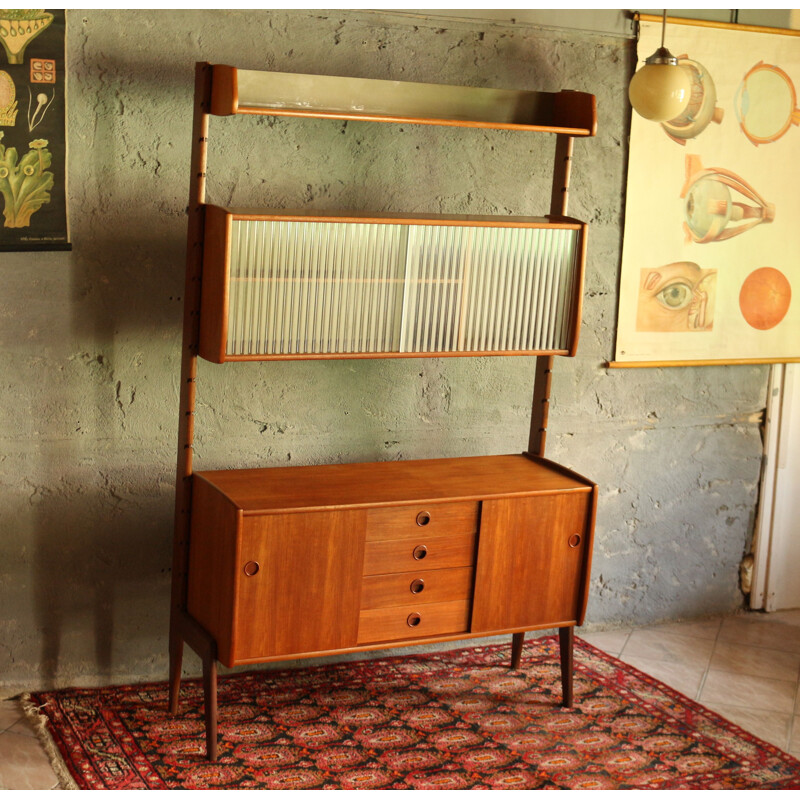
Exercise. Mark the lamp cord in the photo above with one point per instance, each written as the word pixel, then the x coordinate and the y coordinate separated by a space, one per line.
pixel 663 27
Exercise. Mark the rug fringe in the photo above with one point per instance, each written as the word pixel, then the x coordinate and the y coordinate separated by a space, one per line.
pixel 39 723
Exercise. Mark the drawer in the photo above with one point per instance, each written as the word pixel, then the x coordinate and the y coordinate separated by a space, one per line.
pixel 424 586
pixel 404 522
pixel 413 621
pixel 424 551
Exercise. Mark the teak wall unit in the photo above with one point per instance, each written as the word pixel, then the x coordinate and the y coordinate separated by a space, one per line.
pixel 392 553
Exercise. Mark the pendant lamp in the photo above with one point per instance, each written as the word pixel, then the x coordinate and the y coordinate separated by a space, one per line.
pixel 661 89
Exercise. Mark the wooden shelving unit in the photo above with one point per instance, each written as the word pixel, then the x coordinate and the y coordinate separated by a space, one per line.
pixel 282 563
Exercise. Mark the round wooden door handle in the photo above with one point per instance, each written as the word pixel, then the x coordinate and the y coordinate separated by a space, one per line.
pixel 251 568
pixel 574 540
pixel 417 585
pixel 423 518
pixel 414 619
pixel 420 552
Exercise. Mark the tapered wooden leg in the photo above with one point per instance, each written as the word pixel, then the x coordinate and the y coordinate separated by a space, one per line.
pixel 517 640
pixel 566 637
pixel 210 702
pixel 175 665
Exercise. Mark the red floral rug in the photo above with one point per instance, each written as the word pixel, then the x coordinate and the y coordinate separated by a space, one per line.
pixel 453 720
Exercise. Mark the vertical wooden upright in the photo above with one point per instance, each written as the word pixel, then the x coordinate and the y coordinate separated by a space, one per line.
pixel 180 628
pixel 559 201
pixel 540 411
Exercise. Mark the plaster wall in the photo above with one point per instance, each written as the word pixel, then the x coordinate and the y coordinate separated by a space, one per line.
pixel 89 340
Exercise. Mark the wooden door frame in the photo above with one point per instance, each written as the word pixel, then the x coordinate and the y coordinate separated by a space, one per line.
pixel 769 545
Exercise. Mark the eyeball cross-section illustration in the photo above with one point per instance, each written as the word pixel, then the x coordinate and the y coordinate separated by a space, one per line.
pixel 702 108
pixel 676 298
pixel 710 212
pixel 766 104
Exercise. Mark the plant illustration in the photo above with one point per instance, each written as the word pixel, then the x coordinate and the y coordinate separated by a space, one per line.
pixel 24 183
pixel 18 27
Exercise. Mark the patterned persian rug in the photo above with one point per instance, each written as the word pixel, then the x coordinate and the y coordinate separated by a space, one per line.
pixel 453 720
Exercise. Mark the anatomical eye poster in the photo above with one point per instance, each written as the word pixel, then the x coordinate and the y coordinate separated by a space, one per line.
pixel 33 142
pixel 711 252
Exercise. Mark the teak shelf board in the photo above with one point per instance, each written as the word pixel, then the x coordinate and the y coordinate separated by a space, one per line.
pixel 390 218
pixel 419 641
pixel 224 358
pixel 238 91
pixel 295 489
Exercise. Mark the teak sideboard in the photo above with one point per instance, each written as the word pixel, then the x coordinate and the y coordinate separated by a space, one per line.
pixel 289 562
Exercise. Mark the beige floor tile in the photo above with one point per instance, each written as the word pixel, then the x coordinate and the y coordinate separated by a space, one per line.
pixel 790 617
pixel 761 630
pixel 608 641
pixel 10 714
pixel 794 742
pixel 766 725
pixel 745 660
pixel 682 678
pixel 748 691
pixel 702 629
pixel 23 728
pixel 23 763
pixel 688 650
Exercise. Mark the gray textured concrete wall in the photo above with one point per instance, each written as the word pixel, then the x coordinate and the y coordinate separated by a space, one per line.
pixel 89 340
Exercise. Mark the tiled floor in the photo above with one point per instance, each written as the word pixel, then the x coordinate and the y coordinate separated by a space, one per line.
pixel 745 667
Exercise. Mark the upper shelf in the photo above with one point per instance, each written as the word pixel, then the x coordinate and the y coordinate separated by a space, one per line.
pixel 239 91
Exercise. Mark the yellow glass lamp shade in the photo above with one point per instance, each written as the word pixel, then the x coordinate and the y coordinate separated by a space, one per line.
pixel 661 89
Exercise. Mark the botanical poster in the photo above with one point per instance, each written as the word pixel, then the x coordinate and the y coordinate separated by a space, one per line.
pixel 33 145
pixel 711 253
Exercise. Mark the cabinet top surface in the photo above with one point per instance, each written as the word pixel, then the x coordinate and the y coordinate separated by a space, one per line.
pixel 385 483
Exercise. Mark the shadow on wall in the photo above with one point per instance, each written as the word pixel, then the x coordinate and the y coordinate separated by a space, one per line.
pixel 95 555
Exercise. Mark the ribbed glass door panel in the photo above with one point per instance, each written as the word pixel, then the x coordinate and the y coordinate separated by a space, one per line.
pixel 314 287
pixel 323 287
pixel 488 289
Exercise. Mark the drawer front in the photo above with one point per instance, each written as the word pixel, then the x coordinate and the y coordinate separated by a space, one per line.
pixel 404 522
pixel 424 551
pixel 413 621
pixel 424 586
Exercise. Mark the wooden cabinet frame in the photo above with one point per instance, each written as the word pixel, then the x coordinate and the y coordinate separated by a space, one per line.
pixel 226 90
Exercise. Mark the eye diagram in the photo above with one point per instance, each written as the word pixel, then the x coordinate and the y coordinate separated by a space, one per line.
pixel 710 213
pixel 702 108
pixel 676 298
pixel 764 298
pixel 766 104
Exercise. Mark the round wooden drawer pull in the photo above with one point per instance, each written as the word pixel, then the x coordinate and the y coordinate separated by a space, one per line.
pixel 251 568
pixel 414 620
pixel 420 552
pixel 417 585
pixel 574 540
pixel 423 518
